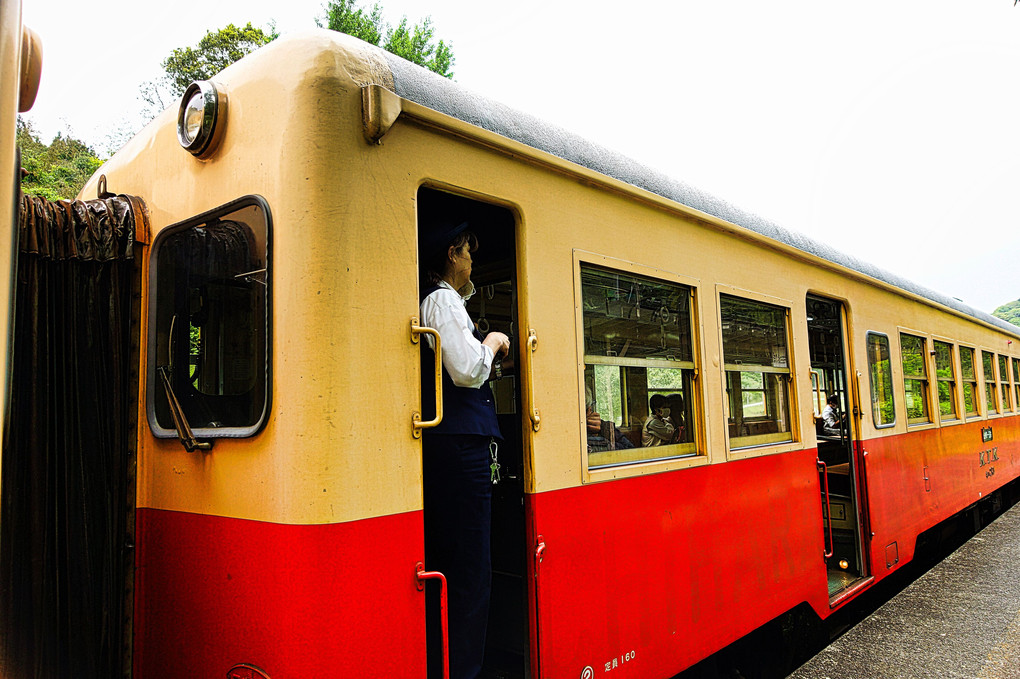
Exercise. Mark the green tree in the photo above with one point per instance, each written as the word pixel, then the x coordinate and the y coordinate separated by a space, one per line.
pixel 1009 312
pixel 213 53
pixel 414 43
pixel 345 17
pixel 57 171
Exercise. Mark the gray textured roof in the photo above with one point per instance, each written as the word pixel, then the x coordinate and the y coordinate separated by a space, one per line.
pixel 428 89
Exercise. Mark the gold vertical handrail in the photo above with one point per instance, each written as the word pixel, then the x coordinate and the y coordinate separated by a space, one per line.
pixel 536 419
pixel 416 422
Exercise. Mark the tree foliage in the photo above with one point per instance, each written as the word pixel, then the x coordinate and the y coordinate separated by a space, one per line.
pixel 57 171
pixel 1009 312
pixel 220 48
pixel 346 17
pixel 213 53
pixel 415 43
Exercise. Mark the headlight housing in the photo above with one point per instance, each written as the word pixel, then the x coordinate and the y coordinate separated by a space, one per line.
pixel 201 118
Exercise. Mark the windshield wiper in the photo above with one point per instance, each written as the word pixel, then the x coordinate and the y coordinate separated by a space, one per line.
pixel 184 433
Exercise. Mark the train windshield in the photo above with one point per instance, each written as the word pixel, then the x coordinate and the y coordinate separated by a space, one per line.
pixel 209 323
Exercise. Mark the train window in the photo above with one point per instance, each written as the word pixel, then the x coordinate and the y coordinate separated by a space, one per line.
pixel 883 408
pixel 946 380
pixel 1004 390
pixel 209 323
pixel 756 358
pixel 970 387
pixel 639 368
pixel 1016 382
pixel 988 375
pixel 915 378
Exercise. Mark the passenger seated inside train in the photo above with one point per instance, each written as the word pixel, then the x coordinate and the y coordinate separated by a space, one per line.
pixel 675 403
pixel 830 428
pixel 658 428
pixel 832 419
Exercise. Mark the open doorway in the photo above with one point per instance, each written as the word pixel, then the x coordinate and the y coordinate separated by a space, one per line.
pixel 493 307
pixel 838 474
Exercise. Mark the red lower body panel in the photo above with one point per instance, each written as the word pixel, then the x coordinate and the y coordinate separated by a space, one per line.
pixel 922 478
pixel 337 600
pixel 642 577
pixel 639 577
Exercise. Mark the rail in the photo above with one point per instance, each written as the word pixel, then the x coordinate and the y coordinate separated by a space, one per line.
pixel 536 418
pixel 417 424
pixel 421 575
pixel 828 508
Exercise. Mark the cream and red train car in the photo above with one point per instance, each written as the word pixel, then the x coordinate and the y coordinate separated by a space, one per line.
pixel 278 522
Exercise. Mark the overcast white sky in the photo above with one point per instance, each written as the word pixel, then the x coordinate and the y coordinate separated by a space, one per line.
pixel 889 129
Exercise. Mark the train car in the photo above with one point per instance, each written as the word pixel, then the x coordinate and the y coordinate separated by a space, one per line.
pixel 823 413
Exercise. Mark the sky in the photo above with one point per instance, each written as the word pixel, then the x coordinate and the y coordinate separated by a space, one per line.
pixel 888 129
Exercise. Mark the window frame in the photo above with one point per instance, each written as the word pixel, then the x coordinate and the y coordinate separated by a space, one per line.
pixel 1015 371
pixel 153 384
pixel 1005 387
pixel 954 380
pixel 871 379
pixel 927 379
pixel 990 392
pixel 973 381
pixel 792 392
pixel 696 424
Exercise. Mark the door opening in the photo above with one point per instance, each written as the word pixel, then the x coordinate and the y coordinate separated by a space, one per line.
pixel 838 474
pixel 493 307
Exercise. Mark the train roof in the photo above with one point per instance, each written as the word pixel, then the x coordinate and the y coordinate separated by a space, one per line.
pixel 424 87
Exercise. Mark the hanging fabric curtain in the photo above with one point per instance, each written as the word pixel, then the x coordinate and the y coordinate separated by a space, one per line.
pixel 67 483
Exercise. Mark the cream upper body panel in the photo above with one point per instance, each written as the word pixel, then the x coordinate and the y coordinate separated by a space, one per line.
pixel 345 376
pixel 334 447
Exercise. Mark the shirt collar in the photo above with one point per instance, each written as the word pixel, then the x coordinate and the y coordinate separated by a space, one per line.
pixel 466 292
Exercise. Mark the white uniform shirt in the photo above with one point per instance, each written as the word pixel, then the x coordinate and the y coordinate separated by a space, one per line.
pixel 467 360
pixel 830 416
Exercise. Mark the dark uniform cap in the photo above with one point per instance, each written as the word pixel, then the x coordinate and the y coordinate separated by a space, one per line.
pixel 436 240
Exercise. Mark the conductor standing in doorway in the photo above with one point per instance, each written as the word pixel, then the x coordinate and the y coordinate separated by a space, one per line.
pixel 457 453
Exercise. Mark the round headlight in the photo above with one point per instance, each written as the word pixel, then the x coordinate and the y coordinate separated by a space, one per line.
pixel 198 117
pixel 194 111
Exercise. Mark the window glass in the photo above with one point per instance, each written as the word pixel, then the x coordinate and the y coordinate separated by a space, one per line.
pixel 639 368
pixel 988 375
pixel 756 357
pixel 883 409
pixel 946 380
pixel 969 378
pixel 1004 390
pixel 209 323
pixel 1016 382
pixel 915 378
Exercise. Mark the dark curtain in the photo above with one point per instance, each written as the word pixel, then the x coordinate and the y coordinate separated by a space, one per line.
pixel 67 484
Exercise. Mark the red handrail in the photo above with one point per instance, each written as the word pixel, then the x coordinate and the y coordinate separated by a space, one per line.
pixel 828 507
pixel 422 575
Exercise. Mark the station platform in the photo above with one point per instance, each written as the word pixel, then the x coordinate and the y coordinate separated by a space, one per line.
pixel 959 620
